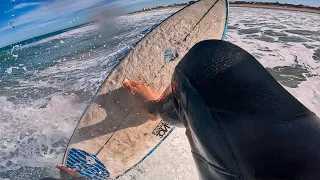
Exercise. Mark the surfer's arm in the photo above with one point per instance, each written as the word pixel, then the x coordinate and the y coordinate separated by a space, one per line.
pixel 165 108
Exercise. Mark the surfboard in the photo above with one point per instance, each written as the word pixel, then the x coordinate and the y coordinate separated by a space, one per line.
pixel 115 133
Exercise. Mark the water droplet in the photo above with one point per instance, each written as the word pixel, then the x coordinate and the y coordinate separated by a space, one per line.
pixel 11 25
pixel 90 160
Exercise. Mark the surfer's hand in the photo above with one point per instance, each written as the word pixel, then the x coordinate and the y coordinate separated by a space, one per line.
pixel 144 95
pixel 68 174
pixel 140 90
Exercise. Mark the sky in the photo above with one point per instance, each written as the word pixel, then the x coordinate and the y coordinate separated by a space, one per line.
pixel 24 19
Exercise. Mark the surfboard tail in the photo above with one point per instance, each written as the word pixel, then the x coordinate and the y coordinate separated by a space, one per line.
pixel 87 165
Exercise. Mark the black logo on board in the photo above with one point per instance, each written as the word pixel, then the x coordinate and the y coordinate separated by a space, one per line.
pixel 162 129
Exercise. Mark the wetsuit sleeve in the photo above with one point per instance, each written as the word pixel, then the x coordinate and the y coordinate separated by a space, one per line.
pixel 165 108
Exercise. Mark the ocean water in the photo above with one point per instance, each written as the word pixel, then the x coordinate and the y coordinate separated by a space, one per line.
pixel 46 85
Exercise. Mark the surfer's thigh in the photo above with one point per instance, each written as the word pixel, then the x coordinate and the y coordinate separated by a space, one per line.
pixel 229 103
pixel 227 78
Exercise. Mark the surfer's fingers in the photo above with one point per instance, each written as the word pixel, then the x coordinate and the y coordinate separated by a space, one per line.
pixel 134 83
pixel 131 83
pixel 60 166
pixel 126 83
pixel 68 171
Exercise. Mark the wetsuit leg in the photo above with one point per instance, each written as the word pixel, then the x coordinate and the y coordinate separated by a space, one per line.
pixel 240 122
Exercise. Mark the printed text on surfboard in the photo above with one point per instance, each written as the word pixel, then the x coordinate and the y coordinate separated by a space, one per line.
pixel 162 129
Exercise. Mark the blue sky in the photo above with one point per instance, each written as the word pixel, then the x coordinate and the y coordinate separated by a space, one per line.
pixel 24 19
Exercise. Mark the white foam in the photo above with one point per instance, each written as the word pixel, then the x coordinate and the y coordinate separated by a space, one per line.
pixel 12 50
pixel 10 69
pixel 279 54
pixel 36 136
pixel 65 35
pixel 308 93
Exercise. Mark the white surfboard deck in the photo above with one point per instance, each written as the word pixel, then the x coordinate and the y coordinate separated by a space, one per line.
pixel 114 127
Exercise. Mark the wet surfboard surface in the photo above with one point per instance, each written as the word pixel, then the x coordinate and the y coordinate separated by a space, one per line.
pixel 115 133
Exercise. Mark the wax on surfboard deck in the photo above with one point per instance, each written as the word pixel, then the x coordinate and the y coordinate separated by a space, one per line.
pixel 114 128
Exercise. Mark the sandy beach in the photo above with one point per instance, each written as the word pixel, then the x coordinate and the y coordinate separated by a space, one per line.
pixel 276 7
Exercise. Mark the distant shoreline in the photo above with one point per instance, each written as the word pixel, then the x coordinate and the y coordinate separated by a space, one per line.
pixel 303 9
pixel 165 7
pixel 157 8
pixel 265 5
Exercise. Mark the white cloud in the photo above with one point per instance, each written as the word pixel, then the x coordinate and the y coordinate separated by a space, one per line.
pixel 61 8
pixel 24 5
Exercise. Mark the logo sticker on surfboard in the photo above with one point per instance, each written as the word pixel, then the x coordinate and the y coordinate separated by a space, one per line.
pixel 162 129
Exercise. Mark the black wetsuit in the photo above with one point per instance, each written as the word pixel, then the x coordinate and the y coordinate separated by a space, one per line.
pixel 240 122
